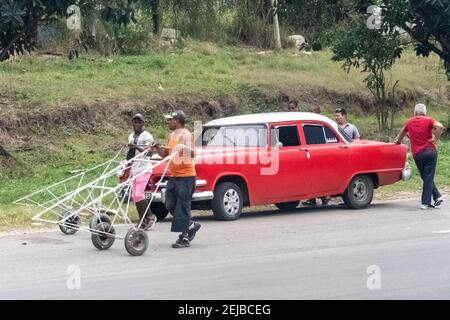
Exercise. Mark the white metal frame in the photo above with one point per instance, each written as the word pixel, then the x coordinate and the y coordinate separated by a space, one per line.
pixel 81 195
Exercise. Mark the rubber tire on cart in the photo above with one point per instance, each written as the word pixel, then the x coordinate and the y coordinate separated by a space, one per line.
pixel 287 206
pixel 159 210
pixel 227 202
pixel 136 242
pixel 103 241
pixel 96 219
pixel 75 220
pixel 359 193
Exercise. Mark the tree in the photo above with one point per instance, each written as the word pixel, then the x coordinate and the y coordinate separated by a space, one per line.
pixel 19 19
pixel 426 21
pixel 276 25
pixel 375 53
pixel 156 16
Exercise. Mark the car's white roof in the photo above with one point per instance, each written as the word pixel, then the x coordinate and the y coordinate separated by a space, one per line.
pixel 270 118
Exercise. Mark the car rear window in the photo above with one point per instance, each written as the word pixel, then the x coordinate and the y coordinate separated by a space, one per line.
pixel 287 135
pixel 239 135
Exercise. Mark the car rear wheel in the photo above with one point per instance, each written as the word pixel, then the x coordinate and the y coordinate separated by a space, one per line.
pixel 359 193
pixel 286 206
pixel 228 201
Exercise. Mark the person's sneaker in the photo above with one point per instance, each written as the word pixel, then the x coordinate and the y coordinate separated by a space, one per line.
pixel 427 207
pixel 181 242
pixel 193 228
pixel 438 201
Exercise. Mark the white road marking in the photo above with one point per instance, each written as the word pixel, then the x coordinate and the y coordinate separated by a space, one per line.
pixel 442 231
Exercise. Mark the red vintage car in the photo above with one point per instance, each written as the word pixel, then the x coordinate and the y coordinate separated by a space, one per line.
pixel 282 158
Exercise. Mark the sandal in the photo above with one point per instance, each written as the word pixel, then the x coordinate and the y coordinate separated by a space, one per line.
pixel 149 223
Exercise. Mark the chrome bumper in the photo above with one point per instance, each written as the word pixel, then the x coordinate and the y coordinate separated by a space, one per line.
pixel 160 196
pixel 406 175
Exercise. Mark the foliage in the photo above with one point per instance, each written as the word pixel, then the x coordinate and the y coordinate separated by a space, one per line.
pixel 426 21
pixel 19 20
pixel 375 53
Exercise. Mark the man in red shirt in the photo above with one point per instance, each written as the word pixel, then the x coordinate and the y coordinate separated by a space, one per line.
pixel 424 132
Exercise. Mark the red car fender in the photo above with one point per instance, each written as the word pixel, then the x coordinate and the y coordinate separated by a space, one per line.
pixel 229 174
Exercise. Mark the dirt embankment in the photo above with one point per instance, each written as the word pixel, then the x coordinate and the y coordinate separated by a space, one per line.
pixel 21 125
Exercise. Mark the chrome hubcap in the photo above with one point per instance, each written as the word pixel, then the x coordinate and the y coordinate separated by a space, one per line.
pixel 231 202
pixel 360 190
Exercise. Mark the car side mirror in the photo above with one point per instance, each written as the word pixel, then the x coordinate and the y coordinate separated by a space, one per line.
pixel 278 145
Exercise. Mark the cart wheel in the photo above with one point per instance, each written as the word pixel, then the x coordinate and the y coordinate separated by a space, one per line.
pixel 136 242
pixel 71 225
pixel 105 239
pixel 96 219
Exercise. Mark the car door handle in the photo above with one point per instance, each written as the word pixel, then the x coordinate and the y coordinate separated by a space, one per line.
pixel 308 155
pixel 343 147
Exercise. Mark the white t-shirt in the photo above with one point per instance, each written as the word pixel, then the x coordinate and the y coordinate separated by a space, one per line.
pixel 144 139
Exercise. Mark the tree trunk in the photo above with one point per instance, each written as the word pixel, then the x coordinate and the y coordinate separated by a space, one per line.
pixel 156 16
pixel 276 25
pixel 4 153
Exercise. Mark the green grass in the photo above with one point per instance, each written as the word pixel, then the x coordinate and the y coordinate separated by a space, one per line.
pixel 442 178
pixel 36 169
pixel 202 71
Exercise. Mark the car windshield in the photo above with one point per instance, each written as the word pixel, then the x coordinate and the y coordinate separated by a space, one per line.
pixel 238 135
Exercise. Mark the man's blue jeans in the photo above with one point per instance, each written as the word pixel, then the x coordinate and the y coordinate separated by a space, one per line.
pixel 426 163
pixel 179 193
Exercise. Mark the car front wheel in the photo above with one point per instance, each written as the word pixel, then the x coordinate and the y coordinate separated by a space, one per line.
pixel 359 193
pixel 159 210
pixel 228 201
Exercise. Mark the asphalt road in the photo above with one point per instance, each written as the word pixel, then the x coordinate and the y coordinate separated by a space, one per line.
pixel 322 253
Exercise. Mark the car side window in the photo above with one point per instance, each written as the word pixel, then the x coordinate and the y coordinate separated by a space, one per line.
pixel 287 135
pixel 330 136
pixel 314 134
pixel 318 134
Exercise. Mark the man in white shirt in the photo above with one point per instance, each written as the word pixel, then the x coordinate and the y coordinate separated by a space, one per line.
pixel 138 141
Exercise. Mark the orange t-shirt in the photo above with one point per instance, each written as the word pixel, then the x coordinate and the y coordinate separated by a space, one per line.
pixel 181 165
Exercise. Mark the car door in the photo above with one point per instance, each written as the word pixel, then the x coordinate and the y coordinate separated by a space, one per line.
pixel 291 180
pixel 329 156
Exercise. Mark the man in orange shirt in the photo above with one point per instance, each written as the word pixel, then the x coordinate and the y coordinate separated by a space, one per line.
pixel 181 185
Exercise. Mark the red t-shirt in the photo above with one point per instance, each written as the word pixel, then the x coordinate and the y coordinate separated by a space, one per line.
pixel 419 131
